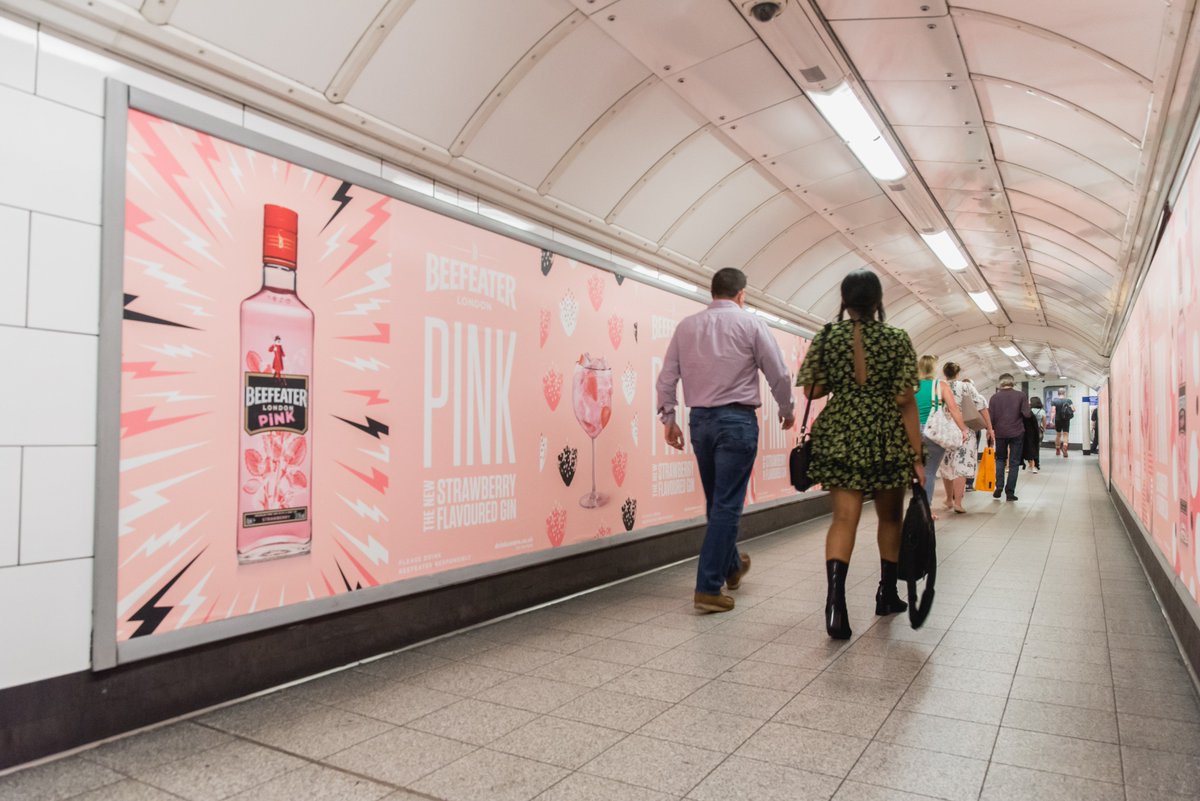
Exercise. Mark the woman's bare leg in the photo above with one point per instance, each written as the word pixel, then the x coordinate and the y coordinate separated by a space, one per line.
pixel 847 509
pixel 889 507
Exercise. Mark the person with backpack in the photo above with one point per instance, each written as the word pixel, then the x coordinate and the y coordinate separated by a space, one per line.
pixel 1064 410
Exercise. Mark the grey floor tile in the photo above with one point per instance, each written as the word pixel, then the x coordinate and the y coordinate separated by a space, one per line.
pixel 1172 706
pixel 402 665
pixel 918 771
pixel 566 743
pixel 807 749
pixel 314 783
pixel 399 756
pixel 56 780
pixel 895 649
pixel 779 653
pixel 560 642
pixel 1068 721
pixel 1054 753
pixel 533 693
pixel 974 659
pixel 858 689
pixel 1160 734
pixel 662 765
pixel 750 629
pixel 584 672
pixel 661 685
pixel 515 658
pixel 612 710
pixel 339 686
pixel 1133 793
pixel 721 645
pixel 765 674
pixel 321 732
pixel 457 646
pixel 127 790
pixel 1010 783
pixel 857 791
pixel 897 671
pixel 654 634
pixel 247 717
pixel 620 652
pixel 948 735
pixel 591 625
pixel 1064 693
pixel 703 728
pixel 473 721
pixel 739 699
pixel 490 775
pixel 947 677
pixel 1095 654
pixel 400 703
pixel 833 715
pixel 461 678
pixel 157 746
pixel 693 663
pixel 738 778
pixel 585 787
pixel 1161 770
pixel 220 772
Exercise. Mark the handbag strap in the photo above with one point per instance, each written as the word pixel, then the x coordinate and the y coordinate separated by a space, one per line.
pixel 808 400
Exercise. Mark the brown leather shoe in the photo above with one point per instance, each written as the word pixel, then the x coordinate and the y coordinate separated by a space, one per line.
pixel 734 579
pixel 712 603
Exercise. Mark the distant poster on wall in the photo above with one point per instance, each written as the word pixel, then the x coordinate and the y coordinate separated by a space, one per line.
pixel 326 390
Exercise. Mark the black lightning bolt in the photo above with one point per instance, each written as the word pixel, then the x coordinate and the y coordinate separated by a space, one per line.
pixel 345 580
pixel 341 197
pixel 145 318
pixel 373 427
pixel 150 615
pixel 620 279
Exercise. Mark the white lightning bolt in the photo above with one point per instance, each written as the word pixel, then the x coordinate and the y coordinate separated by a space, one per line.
pixel 361 364
pixel 274 168
pixel 132 167
pixel 174 396
pixel 254 602
pixel 379 280
pixel 184 351
pixel 193 599
pixel 173 282
pixel 361 309
pixel 384 454
pixel 311 596
pixel 308 174
pixel 371 548
pixel 194 242
pixel 362 510
pixel 149 500
pixel 250 161
pixel 215 211
pixel 129 600
pixel 282 590
pixel 332 243
pixel 197 311
pixel 234 169
pixel 138 461
pixel 232 605
pixel 169 537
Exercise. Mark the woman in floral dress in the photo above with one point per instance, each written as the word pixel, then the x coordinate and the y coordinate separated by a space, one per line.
pixel 960 463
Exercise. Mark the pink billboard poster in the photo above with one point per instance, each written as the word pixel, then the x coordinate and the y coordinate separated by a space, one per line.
pixel 325 389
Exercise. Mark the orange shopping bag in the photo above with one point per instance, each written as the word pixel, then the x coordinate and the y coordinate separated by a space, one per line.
pixel 985 477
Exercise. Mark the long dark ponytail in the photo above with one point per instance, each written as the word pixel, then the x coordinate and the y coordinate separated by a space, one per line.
pixel 862 293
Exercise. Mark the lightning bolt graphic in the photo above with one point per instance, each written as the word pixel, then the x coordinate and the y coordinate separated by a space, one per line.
pixel 362 571
pixel 361 364
pixel 208 152
pixel 194 242
pixel 379 280
pixel 371 548
pixel 146 370
pixel 197 311
pixel 174 396
pixel 383 334
pixel 363 510
pixel 151 615
pixel 234 169
pixel 173 282
pixel 193 599
pixel 232 605
pixel 361 309
pixel 129 314
pixel 346 581
pixel 377 480
pixel 157 541
pixel 308 174
pixel 372 396
pixel 149 500
pixel 135 218
pixel 341 197
pixel 332 243
pixel 163 162
pixel 215 211
pixel 134 462
pixel 362 238
pixel 138 421
pixel 373 427
pixel 384 454
pixel 177 351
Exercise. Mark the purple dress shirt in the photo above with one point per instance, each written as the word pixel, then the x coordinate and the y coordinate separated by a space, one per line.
pixel 718 353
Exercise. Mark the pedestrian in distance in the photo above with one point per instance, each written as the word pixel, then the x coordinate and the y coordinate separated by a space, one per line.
pixel 961 463
pixel 1009 407
pixel 932 393
pixel 718 353
pixel 1034 434
pixel 1064 410
pixel 867 440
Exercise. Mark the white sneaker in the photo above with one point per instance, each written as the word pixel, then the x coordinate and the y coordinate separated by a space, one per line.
pixel 1036 470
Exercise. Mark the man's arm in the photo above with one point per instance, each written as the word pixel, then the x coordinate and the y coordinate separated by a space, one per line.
pixel 770 361
pixel 1025 410
pixel 668 379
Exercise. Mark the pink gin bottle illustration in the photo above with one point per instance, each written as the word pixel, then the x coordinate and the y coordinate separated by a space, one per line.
pixel 592 399
pixel 275 456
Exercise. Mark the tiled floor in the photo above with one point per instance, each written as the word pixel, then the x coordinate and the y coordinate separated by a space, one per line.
pixel 1046 672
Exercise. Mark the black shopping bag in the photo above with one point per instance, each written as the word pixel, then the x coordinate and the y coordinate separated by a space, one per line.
pixel 918 555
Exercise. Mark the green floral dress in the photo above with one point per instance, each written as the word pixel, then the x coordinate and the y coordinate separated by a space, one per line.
pixel 858 439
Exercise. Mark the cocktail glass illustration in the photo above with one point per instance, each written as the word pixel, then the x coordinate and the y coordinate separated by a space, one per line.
pixel 592 399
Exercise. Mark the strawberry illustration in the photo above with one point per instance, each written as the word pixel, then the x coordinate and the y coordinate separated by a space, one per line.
pixel 543 327
pixel 547 262
pixel 619 461
pixel 603 531
pixel 552 387
pixel 596 291
pixel 568 312
pixel 541 452
pixel 629 513
pixel 253 362
pixel 616 328
pixel 568 457
pixel 629 383
pixel 556 525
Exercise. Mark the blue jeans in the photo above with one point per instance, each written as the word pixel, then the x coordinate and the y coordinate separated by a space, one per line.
pixel 1008 451
pixel 725 440
pixel 933 460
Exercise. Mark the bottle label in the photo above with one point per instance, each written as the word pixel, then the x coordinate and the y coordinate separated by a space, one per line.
pixel 276 403
pixel 296 514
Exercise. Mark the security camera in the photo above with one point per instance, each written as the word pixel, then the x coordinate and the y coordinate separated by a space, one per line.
pixel 765 12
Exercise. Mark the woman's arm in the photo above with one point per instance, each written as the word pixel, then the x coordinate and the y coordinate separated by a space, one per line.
pixel 987 421
pixel 952 407
pixel 912 429
pixel 814 391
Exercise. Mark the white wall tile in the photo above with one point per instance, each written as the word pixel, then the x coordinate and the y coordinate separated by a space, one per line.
pixel 75 76
pixel 10 504
pixel 64 275
pixel 322 147
pixel 50 157
pixel 57 497
pixel 49 395
pixel 18 54
pixel 46 627
pixel 14 263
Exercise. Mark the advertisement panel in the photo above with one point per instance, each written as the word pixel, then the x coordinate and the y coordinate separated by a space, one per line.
pixel 325 390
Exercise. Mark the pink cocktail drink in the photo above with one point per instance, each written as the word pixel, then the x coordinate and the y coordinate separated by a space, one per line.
pixel 592 400
pixel 275 453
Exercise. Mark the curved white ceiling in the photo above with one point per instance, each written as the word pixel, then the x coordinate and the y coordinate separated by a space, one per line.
pixel 670 125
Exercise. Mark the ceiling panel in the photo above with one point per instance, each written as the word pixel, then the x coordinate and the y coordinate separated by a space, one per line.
pixel 723 206
pixel 927 102
pixel 808 264
pixel 963 143
pixel 745 238
pixel 902 49
pixel 824 281
pixel 1023 204
pixel 669 36
pixel 776 256
pixel 870 9
pixel 951 175
pixel 1021 179
pixel 1060 162
pixel 808 165
pixel 778 129
pixel 959 201
pixel 841 191
pixel 1102 257
pixel 740 82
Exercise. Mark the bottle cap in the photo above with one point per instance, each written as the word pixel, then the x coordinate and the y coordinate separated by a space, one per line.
pixel 279 236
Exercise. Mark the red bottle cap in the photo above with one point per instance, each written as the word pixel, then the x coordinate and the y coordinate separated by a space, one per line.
pixel 279 236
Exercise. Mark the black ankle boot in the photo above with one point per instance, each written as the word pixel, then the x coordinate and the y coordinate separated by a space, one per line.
pixel 837 620
pixel 887 600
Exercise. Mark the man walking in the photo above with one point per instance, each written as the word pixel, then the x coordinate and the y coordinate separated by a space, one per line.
pixel 1064 410
pixel 718 353
pixel 1008 408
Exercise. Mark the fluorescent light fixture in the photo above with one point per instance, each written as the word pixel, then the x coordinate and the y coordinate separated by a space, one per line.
pixel 944 247
pixel 1009 350
pixel 842 109
pixel 1023 363
pixel 1031 372
pixel 984 301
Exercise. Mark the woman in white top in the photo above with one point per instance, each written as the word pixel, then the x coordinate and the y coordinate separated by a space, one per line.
pixel 960 463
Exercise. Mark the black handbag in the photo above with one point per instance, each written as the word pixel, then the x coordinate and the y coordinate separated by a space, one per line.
pixel 801 455
pixel 918 555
